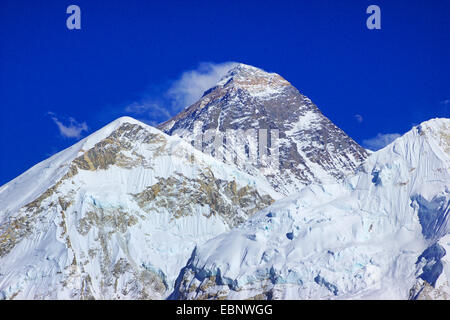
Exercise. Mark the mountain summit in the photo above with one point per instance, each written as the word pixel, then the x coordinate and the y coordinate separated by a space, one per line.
pixel 117 215
pixel 255 81
pixel 311 148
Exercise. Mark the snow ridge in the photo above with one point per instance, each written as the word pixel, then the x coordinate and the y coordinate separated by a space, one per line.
pixel 380 237
pixel 119 216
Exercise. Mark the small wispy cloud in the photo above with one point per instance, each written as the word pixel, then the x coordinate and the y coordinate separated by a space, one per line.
pixel 359 118
pixel 445 102
pixel 71 129
pixel 193 83
pixel 380 141
pixel 161 103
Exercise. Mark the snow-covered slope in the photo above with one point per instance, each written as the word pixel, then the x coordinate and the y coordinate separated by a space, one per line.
pixel 311 148
pixel 385 234
pixel 117 215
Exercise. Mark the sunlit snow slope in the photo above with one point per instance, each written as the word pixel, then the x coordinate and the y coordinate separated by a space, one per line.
pixel 384 235
pixel 117 215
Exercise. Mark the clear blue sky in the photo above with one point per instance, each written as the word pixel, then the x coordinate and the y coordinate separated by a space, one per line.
pixel 129 51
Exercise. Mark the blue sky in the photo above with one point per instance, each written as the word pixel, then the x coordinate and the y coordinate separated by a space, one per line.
pixel 130 58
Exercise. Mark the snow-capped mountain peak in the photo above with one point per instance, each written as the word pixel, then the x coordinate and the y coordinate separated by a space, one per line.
pixel 310 147
pixel 117 215
pixel 136 212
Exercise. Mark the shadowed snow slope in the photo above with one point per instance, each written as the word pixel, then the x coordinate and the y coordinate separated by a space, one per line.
pixel 384 235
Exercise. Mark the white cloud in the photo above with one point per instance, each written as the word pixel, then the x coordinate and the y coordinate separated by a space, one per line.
pixel 359 118
pixel 380 141
pixel 162 102
pixel 72 129
pixel 193 83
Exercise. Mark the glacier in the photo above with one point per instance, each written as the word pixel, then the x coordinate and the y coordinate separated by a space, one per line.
pixel 383 234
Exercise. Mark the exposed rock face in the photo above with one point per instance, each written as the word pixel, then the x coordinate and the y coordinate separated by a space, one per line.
pixel 122 217
pixel 311 147
pixel 224 199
